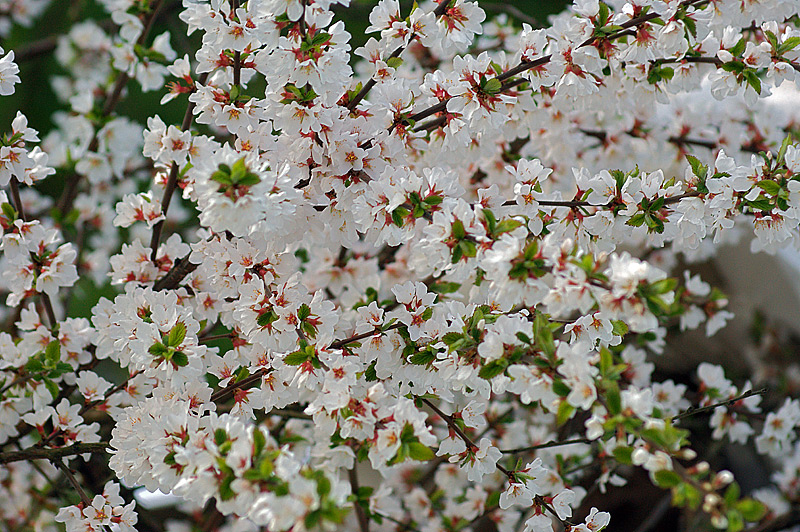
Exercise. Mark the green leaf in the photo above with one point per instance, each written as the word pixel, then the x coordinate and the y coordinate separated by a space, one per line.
pixel 565 411
pixel 561 389
pixel 179 358
pixel 613 398
pixel 735 521
pixel 238 170
pixel 51 387
pixel 266 318
pixel 664 285
pixel 784 146
pixel 249 179
pixel 732 494
pixel 752 79
pixel 296 358
pixel 491 221
pixel 666 478
pixel 433 200
pixel 752 510
pixel 220 437
pixel 738 48
pixel 34 365
pixel 444 287
pixel 524 338
pixel 370 375
pixel 52 353
pixel 422 358
pixel 458 230
pixel 158 350
pixel 176 335
pixel 419 452
pixel 492 86
pixel 259 441
pixel 769 186
pixel 619 327
pixel 602 17
pixel 699 169
pixel 506 226
pixel 398 214
pixel 221 177
pixel 468 248
pixel 789 44
pixel 636 220
pixel 493 369
pixel 394 62
pixel 623 454
pixel 606 361
pixel 9 212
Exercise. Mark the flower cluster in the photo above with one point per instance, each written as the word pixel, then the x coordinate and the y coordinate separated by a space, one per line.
pixel 425 289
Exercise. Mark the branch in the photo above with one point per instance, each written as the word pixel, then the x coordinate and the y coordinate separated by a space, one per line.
pixel 452 425
pixel 338 344
pixel 545 445
pixel 36 453
pixel 440 10
pixel 172 180
pixel 514 12
pixel 232 387
pixel 692 410
pixel 48 305
pixel 363 520
pixel 72 480
pixel 180 269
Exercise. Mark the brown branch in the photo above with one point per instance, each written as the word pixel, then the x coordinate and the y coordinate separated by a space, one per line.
pixel 72 480
pixel 514 12
pixel 180 269
pixel 545 446
pixel 452 425
pixel 440 10
pixel 363 520
pixel 172 180
pixel 232 387
pixel 338 344
pixel 38 453
pixel 692 410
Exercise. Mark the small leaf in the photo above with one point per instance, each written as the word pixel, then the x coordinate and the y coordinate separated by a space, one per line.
pixel 52 353
pixel 179 358
pixel 752 510
pixel 493 369
pixel 666 478
pixel 443 287
pixel 492 86
pixel 394 62
pixel 296 358
pixel 420 452
pixel 176 335
pixel 623 454
pixel 565 411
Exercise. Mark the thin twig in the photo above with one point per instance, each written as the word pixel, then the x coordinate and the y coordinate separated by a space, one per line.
pixel 363 520
pixel 37 453
pixel 691 411
pixel 545 445
pixel 72 480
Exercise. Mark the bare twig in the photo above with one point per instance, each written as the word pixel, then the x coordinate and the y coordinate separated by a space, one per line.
pixel 37 453
pixel 692 410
